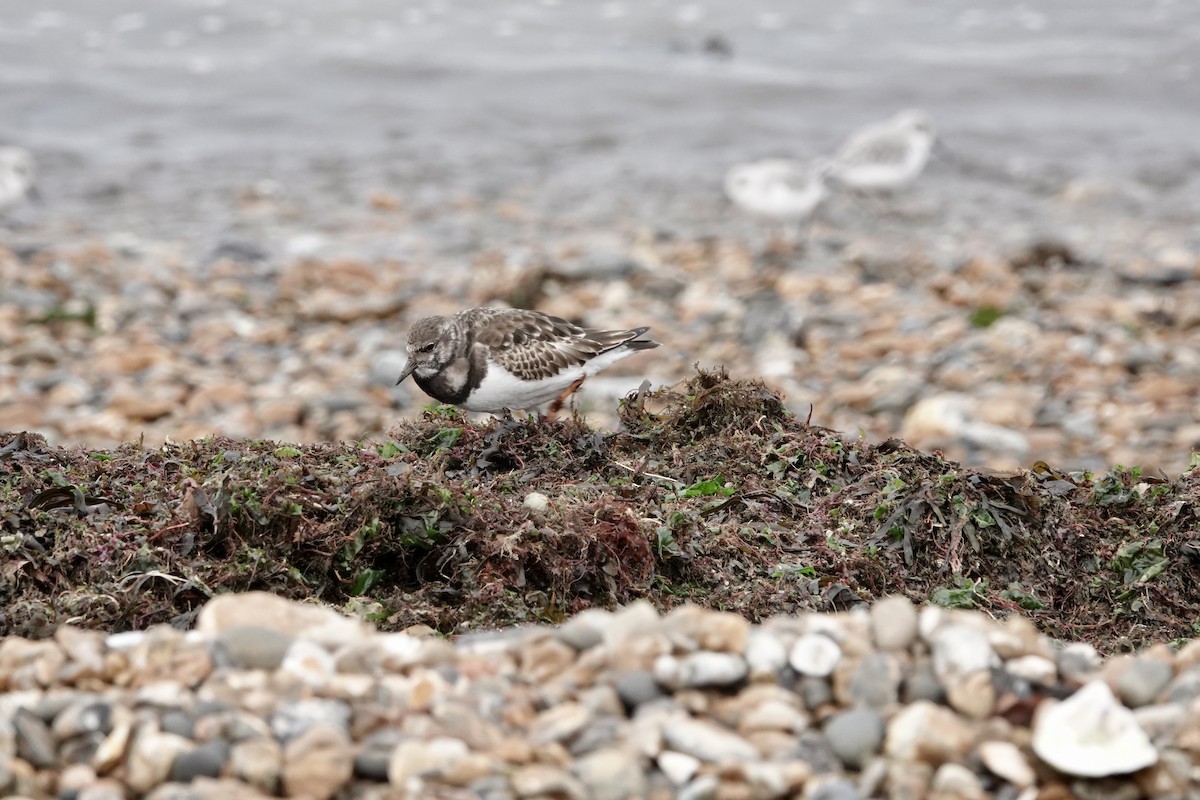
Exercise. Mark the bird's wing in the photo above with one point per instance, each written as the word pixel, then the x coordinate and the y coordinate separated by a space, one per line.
pixel 875 146
pixel 532 345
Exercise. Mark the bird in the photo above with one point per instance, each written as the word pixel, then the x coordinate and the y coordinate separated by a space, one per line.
pixel 887 155
pixel 778 189
pixel 505 359
pixel 16 176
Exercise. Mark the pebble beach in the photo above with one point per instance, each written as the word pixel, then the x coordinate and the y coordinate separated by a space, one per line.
pixel 267 698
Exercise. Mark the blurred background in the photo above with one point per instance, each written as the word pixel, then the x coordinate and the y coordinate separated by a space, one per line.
pixel 242 206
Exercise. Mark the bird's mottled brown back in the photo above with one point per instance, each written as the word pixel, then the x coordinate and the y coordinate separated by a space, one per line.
pixel 532 345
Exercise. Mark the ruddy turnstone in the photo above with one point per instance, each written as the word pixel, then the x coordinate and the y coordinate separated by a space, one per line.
pixel 885 155
pixel 778 189
pixel 16 175
pixel 500 359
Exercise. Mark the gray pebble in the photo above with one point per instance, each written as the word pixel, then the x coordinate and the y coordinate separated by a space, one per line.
pixel 855 736
pixel 837 789
pixel 1185 688
pixel 1142 681
pixel 293 719
pixel 816 692
pixel 637 687
pixel 88 716
pixel 922 684
pixel 34 742
pixel 206 760
pixel 251 647
pixel 876 682
pixel 178 722
pixel 371 763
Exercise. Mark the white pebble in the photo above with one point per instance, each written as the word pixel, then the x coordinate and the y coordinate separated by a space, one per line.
pixel 815 654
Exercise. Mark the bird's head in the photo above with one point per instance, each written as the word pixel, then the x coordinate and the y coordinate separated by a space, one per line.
pixel 433 342
pixel 914 119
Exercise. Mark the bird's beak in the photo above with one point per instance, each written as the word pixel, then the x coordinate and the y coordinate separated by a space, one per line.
pixel 408 370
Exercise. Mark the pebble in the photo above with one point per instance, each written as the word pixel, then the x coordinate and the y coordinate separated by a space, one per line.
pixel 254 647
pixel 611 774
pixel 707 741
pixel 1142 681
pixel 317 763
pixel 699 669
pixel 1005 760
pixel 205 760
pixel 609 705
pixel 893 623
pixel 885 337
pixel 855 736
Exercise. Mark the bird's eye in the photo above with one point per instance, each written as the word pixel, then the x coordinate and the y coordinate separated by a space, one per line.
pixel 426 348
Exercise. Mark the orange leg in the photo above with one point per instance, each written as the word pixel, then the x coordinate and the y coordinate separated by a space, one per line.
pixel 557 405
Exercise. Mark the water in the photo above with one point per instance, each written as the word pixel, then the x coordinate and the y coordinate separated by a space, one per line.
pixel 155 118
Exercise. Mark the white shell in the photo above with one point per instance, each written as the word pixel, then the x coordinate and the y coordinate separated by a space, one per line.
pixel 1090 735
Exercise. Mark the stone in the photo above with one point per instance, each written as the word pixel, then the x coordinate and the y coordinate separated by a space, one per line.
pixel 1185 688
pixel 973 694
pixel 1033 668
pixel 636 687
pixel 893 623
pixel 1078 661
pixel 955 782
pixel 833 789
pixel 310 662
pixel 102 789
pixel 678 767
pixel 543 780
pixel 922 683
pixel 292 719
pixel 205 760
pixel 707 741
pixel 701 669
pixel 926 732
pixel 82 647
pixel 34 741
pixel 253 647
pixel 1091 735
pixel 635 620
pixel 266 610
pixel 417 758
pixel 765 655
pixel 258 762
pixel 317 763
pixel 542 660
pixel 611 774
pixel 815 655
pixel 112 749
pixel 874 682
pixel 87 715
pixel 586 629
pixel 1161 722
pixel 1143 680
pixel 958 650
pixel 559 723
pixel 816 692
pixel 1005 760
pixel 855 736
pixel 151 756
pixel 774 779
pixel 772 715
